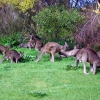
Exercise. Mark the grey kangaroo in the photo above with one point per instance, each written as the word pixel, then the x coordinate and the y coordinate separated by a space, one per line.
pixel 13 56
pixel 88 55
pixel 52 48
pixel 27 45
pixel 4 49
pixel 72 52
pixel 37 42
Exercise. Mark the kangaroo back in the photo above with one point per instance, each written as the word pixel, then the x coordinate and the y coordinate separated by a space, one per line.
pixel 4 49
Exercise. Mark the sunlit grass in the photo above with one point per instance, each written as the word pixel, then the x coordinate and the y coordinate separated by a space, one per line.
pixel 45 80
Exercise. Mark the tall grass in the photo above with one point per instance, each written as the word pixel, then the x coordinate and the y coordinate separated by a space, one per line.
pixel 45 80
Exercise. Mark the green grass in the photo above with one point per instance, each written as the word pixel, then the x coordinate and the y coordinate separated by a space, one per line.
pixel 45 80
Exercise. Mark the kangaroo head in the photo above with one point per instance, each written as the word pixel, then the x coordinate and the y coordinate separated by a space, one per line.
pixel 31 37
pixel 76 46
pixel 21 45
pixel 21 54
pixel 66 46
pixel 7 48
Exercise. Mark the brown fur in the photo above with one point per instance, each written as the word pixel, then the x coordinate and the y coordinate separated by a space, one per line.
pixel 13 55
pixel 27 45
pixel 52 48
pixel 88 55
pixel 37 42
pixel 4 49
pixel 72 52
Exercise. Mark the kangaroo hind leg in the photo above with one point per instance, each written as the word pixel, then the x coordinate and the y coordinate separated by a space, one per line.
pixel 2 60
pixel 40 55
pixel 84 60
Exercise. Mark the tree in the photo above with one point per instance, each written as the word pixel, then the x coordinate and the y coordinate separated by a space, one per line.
pixel 10 21
pixel 22 5
pixel 90 33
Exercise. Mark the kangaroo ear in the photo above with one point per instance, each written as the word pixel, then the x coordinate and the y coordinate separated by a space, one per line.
pixel 30 33
pixel 9 46
pixel 66 43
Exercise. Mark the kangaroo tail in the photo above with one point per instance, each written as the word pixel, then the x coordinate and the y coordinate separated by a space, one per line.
pixel 2 59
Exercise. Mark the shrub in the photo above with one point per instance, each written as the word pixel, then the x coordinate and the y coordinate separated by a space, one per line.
pixel 12 39
pixel 56 23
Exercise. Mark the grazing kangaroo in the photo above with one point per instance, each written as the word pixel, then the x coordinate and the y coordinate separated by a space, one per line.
pixel 52 48
pixel 88 55
pixel 4 49
pixel 13 56
pixel 37 42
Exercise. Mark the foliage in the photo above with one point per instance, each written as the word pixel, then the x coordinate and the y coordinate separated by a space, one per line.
pixel 56 22
pixel 12 39
pixel 23 5
pixel 28 58
pixel 90 33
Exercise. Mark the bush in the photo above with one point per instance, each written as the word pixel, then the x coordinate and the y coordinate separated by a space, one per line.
pixel 56 23
pixel 12 39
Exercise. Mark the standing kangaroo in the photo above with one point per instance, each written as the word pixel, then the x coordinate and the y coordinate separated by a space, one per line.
pixel 37 42
pixel 13 56
pixel 88 55
pixel 4 49
pixel 52 48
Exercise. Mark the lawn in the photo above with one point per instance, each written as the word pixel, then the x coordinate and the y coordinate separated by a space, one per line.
pixel 45 80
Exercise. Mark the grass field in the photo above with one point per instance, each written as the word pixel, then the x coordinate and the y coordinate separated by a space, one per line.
pixel 45 80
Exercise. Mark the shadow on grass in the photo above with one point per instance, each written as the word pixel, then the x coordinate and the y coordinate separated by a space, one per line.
pixel 58 58
pixel 98 70
pixel 70 67
pixel 37 94
pixel 7 68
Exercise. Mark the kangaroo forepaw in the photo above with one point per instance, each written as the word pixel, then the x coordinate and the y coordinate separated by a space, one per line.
pixel 86 73
pixel 36 60
pixel 94 73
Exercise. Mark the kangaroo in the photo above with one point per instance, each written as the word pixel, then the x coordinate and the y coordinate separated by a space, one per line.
pixel 13 56
pixel 27 45
pixel 52 48
pixel 72 52
pixel 37 42
pixel 4 49
pixel 88 55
